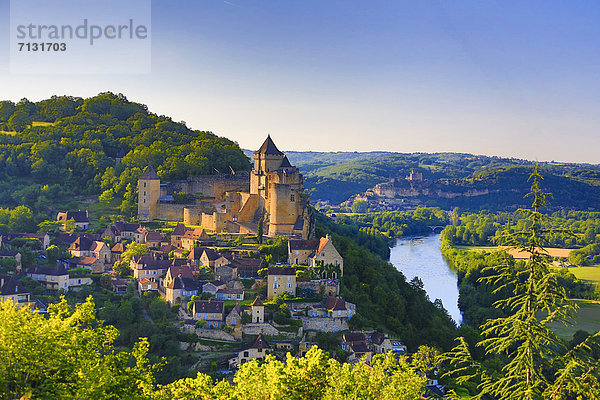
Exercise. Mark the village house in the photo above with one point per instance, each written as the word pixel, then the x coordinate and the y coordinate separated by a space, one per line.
pixel 78 281
pixel 234 321
pixel 257 310
pixel 178 284
pixel 116 252
pixel 119 286
pixel 281 280
pixel 84 247
pixel 332 307
pixel 44 238
pixel 304 346
pixel 259 348
pixel 146 284
pixel 123 230
pixel 177 234
pixel 11 289
pixel 195 237
pixel 66 238
pixel 195 255
pixel 381 343
pixel 247 268
pixel 12 255
pixel 52 278
pixel 282 345
pixel 356 344
pixel 210 311
pixel 149 267
pixel 212 287
pixel 93 264
pixel 230 294
pixel 317 253
pixel 209 257
pixel 154 240
pixel 226 273
pixel 80 218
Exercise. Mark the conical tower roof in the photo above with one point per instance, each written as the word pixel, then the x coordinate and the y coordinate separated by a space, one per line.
pixel 268 147
pixel 149 174
pixel 257 302
pixel 285 163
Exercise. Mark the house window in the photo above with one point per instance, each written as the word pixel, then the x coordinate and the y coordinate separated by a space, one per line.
pixel 246 354
pixel 233 321
pixel 292 198
pixel 289 278
pixel 144 186
pixel 275 279
pixel 274 286
pixel 260 350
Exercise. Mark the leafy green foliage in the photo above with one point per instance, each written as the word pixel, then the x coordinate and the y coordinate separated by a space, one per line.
pixel 395 224
pixel 314 376
pixel 75 152
pixel 68 355
pixel 571 228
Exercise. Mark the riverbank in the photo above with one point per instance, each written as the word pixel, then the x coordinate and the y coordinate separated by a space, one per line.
pixel 421 256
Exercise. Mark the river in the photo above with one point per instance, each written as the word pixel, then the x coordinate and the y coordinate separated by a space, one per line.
pixel 421 256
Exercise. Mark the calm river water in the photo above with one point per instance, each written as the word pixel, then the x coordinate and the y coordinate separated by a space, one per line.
pixel 421 256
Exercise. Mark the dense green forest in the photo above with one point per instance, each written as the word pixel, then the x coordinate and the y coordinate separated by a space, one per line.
pixel 395 224
pixel 572 229
pixel 335 177
pixel 65 146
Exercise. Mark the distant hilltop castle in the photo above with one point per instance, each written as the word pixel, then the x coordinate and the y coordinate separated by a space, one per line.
pixel 222 203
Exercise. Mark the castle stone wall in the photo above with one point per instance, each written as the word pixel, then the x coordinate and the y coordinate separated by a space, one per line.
pixel 170 212
pixel 324 324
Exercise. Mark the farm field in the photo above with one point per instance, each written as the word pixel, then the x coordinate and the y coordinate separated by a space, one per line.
pixel 552 251
pixel 590 274
pixel 587 319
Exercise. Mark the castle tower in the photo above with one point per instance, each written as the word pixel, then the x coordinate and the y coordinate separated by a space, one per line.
pixel 258 311
pixel 266 159
pixel 148 194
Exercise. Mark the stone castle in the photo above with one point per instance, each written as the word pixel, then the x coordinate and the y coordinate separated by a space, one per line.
pixel 236 203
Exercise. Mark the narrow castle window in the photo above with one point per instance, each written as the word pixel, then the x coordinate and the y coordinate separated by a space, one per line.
pixel 292 198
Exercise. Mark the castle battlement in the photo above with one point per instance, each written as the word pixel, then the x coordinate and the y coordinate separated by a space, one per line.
pixel 273 191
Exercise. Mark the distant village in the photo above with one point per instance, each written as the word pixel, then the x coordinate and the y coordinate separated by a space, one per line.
pixel 205 260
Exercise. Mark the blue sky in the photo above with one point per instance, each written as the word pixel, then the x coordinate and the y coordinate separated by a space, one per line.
pixel 509 78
